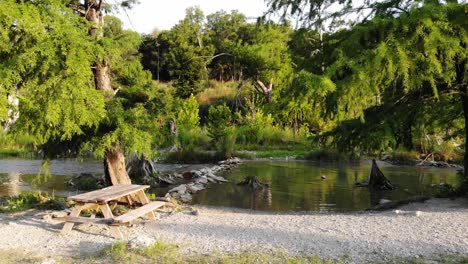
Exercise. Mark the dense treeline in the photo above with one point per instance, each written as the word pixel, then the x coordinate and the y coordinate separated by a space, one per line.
pixel 395 80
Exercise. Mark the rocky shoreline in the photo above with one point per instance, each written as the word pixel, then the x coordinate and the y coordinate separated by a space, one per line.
pixel 200 179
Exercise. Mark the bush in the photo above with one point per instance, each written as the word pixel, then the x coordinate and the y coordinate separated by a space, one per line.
pixel 326 155
pixel 221 131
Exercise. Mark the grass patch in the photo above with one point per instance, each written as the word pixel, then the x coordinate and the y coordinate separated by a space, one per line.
pixel 161 252
pixel 13 153
pixel 26 200
pixel 217 92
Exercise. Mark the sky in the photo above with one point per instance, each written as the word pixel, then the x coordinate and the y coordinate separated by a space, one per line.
pixel 163 14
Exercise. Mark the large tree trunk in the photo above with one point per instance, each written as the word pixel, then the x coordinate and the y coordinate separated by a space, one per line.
pixel 114 168
pixel 460 71
pixel 464 99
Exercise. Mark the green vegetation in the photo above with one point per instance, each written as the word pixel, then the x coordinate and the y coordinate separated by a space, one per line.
pixel 161 252
pixel 25 201
pixel 394 82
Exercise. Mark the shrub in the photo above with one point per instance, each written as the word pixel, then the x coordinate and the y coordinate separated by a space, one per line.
pixel 221 131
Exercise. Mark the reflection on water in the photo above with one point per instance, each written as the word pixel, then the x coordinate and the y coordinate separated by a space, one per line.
pixel 294 185
pixel 10 184
pixel 17 175
pixel 297 186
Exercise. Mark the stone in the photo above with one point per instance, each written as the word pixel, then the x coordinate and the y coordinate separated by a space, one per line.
pixel 186 197
pixel 140 242
pixel 193 188
pixel 179 189
pixel 188 175
pixel 201 180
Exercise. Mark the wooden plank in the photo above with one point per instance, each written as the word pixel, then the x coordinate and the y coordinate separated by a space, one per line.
pixel 144 200
pixel 87 220
pixel 67 227
pixel 134 214
pixel 107 194
pixel 92 194
pixel 106 211
pixel 122 193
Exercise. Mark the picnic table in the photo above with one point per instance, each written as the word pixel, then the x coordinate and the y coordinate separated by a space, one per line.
pixel 107 198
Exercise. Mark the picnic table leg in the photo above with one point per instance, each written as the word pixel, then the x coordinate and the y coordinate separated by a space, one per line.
pixel 94 211
pixel 67 227
pixel 144 200
pixel 106 211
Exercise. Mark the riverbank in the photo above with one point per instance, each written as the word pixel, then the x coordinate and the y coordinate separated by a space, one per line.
pixel 438 229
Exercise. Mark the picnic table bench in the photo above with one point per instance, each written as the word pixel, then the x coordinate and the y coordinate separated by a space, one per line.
pixel 106 198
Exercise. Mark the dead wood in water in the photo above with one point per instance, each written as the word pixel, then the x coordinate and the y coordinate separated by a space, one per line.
pixel 253 182
pixel 377 180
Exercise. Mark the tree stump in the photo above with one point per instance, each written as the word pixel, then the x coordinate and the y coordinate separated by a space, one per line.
pixel 377 180
pixel 253 182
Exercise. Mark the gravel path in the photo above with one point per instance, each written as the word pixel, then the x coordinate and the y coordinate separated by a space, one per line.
pixel 441 227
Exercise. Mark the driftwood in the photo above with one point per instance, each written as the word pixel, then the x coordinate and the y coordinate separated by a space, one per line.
pixel 377 180
pixel 253 182
pixel 395 204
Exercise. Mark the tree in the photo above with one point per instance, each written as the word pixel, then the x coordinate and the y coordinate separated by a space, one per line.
pixel 186 53
pixel 223 33
pixel 59 64
pixel 412 48
pixel 46 62
pixel 264 57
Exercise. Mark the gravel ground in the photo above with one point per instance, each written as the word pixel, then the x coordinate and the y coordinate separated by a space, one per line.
pixel 440 228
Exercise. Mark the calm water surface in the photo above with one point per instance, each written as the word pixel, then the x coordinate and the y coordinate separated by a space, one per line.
pixel 294 185
pixel 297 186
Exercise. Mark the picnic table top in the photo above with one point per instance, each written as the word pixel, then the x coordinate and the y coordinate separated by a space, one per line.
pixel 107 194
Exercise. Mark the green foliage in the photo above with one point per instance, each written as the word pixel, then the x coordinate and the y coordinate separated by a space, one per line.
pixel 186 53
pixel 25 201
pixel 220 129
pixel 326 155
pixel 117 250
pixel 44 51
pixel 254 127
pixel 219 119
pixel 187 115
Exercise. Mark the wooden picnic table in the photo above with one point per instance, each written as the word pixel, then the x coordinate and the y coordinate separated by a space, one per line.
pixel 106 198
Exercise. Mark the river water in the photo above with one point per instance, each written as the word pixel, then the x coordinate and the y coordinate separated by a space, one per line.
pixel 294 185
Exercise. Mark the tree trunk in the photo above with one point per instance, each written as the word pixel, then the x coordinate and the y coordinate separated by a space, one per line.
pixel 114 168
pixel 296 123
pixel 102 77
pixel 464 99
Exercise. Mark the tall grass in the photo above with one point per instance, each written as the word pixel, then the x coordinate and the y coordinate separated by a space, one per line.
pixel 217 92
